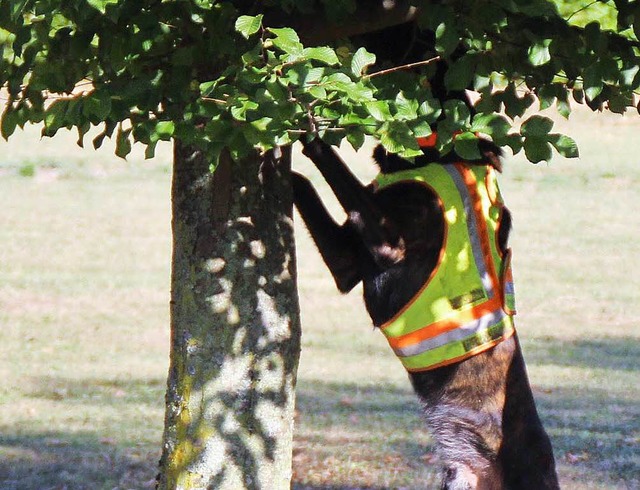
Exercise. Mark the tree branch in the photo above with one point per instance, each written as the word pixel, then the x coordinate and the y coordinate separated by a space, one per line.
pixel 369 16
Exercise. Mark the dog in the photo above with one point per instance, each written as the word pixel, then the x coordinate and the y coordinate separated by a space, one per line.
pixel 429 242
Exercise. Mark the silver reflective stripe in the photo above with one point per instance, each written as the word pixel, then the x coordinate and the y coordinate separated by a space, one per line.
pixel 509 288
pixel 472 226
pixel 460 333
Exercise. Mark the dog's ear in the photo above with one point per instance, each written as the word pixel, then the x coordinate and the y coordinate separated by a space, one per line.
pixel 492 153
pixel 390 162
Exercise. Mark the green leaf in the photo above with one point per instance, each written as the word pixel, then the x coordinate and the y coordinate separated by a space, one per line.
pixel 515 106
pixel 323 54
pixel 206 88
pixel 248 25
pixel 406 108
pixel 430 109
pixel 312 75
pixel 494 125
pixel 82 130
pixel 592 81
pixel 447 37
pixel 109 127
pixel 150 150
pixel 618 103
pixel 123 144
pixel 539 52
pixel 355 139
pixel 361 60
pixel 513 141
pixel 564 145
pixel 421 129
pixel 636 22
pixel 628 76
pixel 457 114
pixel 466 146
pixel 286 40
pixel 318 92
pixel 239 112
pixel 262 124
pixel 379 109
pixel 101 5
pixel 276 90
pixel 564 108
pixel 460 74
pixel 55 117
pixel 538 126
pixel 165 129
pixel 9 122
pixel 97 106
pixel 333 138
pixel 396 137
pixel 537 149
pixel 341 83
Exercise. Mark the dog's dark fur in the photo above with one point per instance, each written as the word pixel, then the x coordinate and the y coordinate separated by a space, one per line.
pixel 480 411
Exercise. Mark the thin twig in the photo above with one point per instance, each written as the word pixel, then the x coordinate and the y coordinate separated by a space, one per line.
pixel 217 101
pixel 403 67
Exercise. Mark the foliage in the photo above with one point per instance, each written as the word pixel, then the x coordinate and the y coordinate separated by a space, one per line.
pixel 221 74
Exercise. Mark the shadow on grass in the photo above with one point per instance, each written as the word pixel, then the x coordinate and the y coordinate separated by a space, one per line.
pixel 595 431
pixel 618 353
pixel 78 461
pixel 319 397
pixel 104 391
pixel 353 437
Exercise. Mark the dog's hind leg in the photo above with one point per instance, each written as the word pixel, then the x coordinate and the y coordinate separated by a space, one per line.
pixel 463 477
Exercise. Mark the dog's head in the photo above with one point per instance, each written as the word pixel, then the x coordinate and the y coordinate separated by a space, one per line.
pixel 390 162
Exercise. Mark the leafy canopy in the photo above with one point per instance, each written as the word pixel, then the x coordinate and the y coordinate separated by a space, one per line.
pixel 222 74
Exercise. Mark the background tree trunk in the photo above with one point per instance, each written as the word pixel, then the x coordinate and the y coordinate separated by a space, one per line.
pixel 235 330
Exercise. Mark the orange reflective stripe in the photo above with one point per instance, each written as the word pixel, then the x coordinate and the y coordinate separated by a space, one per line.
pixel 428 141
pixel 470 181
pixel 443 326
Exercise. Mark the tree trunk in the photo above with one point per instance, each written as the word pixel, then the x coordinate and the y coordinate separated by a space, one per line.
pixel 235 330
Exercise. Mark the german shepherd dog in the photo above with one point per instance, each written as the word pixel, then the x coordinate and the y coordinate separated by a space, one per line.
pixel 481 410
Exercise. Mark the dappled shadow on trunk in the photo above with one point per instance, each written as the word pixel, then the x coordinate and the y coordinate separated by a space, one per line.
pixel 234 324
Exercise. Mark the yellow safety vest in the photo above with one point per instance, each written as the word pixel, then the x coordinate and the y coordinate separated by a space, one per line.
pixel 467 304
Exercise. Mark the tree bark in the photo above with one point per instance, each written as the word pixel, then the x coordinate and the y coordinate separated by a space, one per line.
pixel 235 331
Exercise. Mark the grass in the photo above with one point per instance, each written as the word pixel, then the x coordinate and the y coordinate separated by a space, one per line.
pixel 84 274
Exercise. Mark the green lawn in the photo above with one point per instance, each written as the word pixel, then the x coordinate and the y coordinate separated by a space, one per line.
pixel 84 291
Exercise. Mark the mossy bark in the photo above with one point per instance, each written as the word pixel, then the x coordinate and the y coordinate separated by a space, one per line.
pixel 235 332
